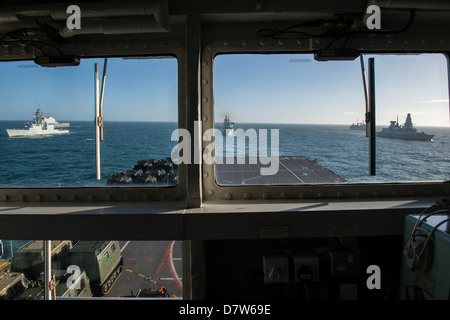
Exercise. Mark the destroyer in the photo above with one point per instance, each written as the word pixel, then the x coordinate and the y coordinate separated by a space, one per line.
pixel 41 126
pixel 405 132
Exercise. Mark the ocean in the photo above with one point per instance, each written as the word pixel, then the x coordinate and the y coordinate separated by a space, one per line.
pixel 69 160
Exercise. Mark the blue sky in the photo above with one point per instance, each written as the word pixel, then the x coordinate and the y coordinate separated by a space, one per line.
pixel 297 89
pixel 252 88
pixel 136 90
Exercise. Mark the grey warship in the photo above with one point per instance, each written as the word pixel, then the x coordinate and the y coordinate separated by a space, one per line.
pixel 228 126
pixel 405 132
pixel 358 126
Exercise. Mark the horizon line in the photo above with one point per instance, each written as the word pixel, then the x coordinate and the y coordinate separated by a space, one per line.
pixel 218 122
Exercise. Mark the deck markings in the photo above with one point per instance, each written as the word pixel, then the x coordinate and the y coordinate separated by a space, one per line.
pixel 291 171
pixel 167 259
pixel 124 246
pixel 4 265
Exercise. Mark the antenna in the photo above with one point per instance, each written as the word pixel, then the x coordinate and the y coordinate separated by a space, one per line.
pixel 97 127
pixel 101 100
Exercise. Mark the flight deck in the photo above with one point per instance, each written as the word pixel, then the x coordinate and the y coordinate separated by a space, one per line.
pixel 291 170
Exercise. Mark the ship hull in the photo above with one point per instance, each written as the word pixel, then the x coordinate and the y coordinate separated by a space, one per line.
pixel 416 137
pixel 33 133
pixel 228 132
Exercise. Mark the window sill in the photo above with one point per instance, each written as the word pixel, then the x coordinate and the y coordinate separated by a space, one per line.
pixel 214 220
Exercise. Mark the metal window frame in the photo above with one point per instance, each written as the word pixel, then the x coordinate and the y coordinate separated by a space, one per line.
pixel 212 191
pixel 105 193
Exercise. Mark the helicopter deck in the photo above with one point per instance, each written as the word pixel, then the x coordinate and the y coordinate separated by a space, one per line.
pixel 291 170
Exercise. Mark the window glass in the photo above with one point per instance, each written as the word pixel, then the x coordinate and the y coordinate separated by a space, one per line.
pixel 137 269
pixel 310 116
pixel 140 112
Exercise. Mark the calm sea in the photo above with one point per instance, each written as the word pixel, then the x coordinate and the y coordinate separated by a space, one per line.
pixel 69 160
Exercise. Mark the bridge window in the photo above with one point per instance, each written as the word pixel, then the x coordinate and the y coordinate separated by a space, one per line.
pixel 140 112
pixel 134 269
pixel 303 121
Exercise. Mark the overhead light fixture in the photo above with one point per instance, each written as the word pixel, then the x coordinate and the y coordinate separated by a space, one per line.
pixel 336 54
pixel 57 61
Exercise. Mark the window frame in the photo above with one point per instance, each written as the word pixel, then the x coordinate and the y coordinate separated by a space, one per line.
pixel 77 194
pixel 213 191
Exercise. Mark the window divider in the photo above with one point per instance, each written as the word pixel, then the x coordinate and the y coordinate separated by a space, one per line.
pixel 372 129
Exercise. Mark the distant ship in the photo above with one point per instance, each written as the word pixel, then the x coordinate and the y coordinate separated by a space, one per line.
pixel 405 132
pixel 358 126
pixel 228 126
pixel 41 126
